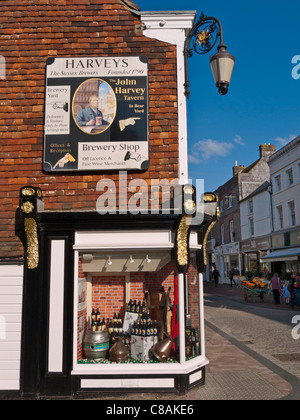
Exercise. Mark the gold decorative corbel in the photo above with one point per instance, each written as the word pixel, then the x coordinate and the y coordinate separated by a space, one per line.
pixel 32 243
pixel 182 240
pixel 29 199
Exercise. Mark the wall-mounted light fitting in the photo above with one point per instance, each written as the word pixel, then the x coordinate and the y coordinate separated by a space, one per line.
pixel 88 257
pixel 109 262
pixel 148 259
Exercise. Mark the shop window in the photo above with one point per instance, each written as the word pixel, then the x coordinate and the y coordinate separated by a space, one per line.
pixel 128 314
pixel 251 262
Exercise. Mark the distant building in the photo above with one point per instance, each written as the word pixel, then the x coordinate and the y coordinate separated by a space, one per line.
pixel 256 228
pixel 224 248
pixel 285 179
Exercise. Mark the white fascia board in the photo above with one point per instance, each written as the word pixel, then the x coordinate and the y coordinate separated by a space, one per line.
pixel 168 19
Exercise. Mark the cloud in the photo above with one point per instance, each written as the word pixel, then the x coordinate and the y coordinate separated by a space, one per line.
pixel 206 149
pixel 285 140
pixel 238 140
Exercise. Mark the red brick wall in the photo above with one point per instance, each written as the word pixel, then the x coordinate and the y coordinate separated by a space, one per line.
pixel 32 31
pixel 108 294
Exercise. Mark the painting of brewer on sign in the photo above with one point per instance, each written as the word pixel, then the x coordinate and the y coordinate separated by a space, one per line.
pixel 94 106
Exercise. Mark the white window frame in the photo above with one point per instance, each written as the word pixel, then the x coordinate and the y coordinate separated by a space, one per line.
pixel 221 206
pixel 290 180
pixel 290 217
pixel 231 230
pixel 278 219
pixel 277 183
pixel 251 227
pixel 250 207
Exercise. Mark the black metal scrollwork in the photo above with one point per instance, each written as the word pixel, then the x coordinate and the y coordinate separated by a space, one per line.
pixel 201 39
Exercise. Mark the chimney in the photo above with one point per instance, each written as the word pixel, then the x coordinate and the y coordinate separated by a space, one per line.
pixel 266 150
pixel 237 168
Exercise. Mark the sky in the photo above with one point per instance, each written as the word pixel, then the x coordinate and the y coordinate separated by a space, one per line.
pixel 263 102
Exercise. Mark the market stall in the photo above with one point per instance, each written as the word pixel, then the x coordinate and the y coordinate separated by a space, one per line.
pixel 255 288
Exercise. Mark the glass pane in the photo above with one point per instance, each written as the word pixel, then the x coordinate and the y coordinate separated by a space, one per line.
pixel 128 314
pixel 192 328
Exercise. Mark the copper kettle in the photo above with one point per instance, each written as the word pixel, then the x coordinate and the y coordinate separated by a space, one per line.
pixel 162 349
pixel 119 352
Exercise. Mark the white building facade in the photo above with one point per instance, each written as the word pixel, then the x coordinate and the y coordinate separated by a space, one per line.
pixel 285 180
pixel 256 228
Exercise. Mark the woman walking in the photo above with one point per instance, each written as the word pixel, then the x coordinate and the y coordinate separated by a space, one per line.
pixel 275 286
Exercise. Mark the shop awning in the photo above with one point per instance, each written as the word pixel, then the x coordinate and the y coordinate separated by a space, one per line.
pixel 289 254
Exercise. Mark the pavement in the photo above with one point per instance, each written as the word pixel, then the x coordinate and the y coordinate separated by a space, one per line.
pixel 239 369
pixel 235 372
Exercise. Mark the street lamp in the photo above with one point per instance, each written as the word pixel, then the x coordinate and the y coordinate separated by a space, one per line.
pixel 201 39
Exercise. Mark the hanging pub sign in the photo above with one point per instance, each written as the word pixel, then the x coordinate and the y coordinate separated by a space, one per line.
pixel 96 114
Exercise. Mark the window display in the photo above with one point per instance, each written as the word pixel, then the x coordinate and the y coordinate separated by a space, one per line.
pixel 133 317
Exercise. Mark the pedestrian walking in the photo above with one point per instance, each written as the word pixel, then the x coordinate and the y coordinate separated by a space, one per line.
pixel 286 293
pixel 291 287
pixel 231 275
pixel 275 286
pixel 215 276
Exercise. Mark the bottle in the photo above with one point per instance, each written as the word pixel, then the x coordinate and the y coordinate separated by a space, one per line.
pixel 116 326
pixel 143 308
pixel 99 326
pixel 138 307
pixel 188 346
pixel 94 315
pixel 148 329
pixel 110 327
pixel 98 315
pixel 140 328
pixel 136 328
pixel 129 306
pixel 103 325
pixel 198 350
pixel 119 319
pixel 94 325
pixel 133 306
pixel 155 329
